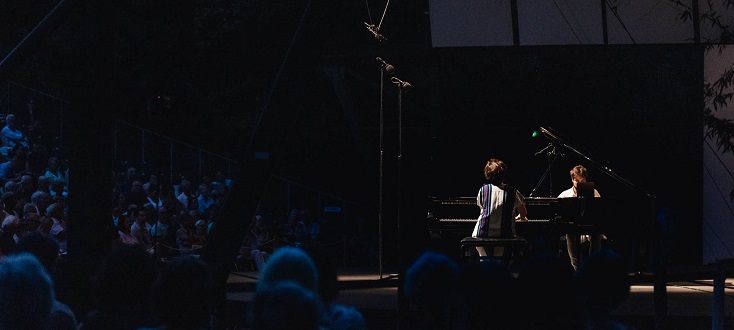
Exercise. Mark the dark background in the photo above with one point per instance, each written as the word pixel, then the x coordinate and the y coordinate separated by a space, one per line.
pixel 299 80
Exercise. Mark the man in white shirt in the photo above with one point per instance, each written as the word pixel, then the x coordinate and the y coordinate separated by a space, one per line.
pixel 578 175
pixel 140 231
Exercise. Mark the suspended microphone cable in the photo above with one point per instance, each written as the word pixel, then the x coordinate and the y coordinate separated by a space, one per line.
pixel 369 13
pixel 383 15
pixel 371 25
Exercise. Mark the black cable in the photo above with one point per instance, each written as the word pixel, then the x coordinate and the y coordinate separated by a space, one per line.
pixel 719 158
pixel 616 15
pixel 730 211
pixel 567 22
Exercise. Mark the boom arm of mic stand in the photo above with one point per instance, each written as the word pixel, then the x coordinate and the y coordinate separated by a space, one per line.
pixel 542 178
pixel 554 137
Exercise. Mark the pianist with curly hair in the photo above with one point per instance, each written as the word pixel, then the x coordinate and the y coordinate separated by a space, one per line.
pixel 500 205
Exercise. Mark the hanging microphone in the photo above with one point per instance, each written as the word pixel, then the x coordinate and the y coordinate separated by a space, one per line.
pixel 404 85
pixel 375 31
pixel 388 68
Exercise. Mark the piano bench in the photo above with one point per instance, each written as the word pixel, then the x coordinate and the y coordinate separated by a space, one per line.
pixel 514 248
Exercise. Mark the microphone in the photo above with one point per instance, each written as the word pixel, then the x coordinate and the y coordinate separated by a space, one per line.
pixel 375 31
pixel 550 148
pixel 404 85
pixel 388 68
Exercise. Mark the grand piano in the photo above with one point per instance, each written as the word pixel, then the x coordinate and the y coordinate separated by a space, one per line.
pixel 624 219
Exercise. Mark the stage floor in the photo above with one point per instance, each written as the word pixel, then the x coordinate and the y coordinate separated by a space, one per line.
pixel 364 289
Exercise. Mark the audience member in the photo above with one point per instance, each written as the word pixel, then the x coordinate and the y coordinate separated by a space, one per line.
pixel 41 200
pixel 185 235
pixel 10 204
pixel 53 171
pixel 289 263
pixel 25 190
pixel 603 284
pixel 430 285
pixel 44 184
pixel 286 305
pixel 28 120
pixel 31 221
pixel 257 243
pixel 11 133
pixel 286 292
pixel 11 227
pixel 489 292
pixel 46 249
pixel 186 193
pixel 58 189
pixel 58 226
pixel 200 234
pixel 159 230
pixel 204 200
pixel 11 170
pixel 181 294
pixel 136 195
pixel 27 293
pixel 124 225
pixel 220 185
pixel 552 306
pixel 122 291
pixel 126 184
pixel 139 229
pixel 336 316
pixel 152 182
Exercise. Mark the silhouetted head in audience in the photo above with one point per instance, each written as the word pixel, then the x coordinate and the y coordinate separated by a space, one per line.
pixel 289 264
pixel 41 199
pixel 10 202
pixel 42 246
pixel 11 121
pixel 180 294
pixel 44 183
pixel 546 287
pixel 27 293
pixel 336 316
pixel 430 284
pixel 121 293
pixel 603 282
pixel 286 305
pixel 489 292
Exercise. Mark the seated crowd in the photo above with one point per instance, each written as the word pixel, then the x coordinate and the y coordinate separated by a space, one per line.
pixel 543 294
pixel 162 217
pixel 296 290
pixel 151 220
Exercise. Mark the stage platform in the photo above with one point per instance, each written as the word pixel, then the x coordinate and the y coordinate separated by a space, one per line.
pixel 689 301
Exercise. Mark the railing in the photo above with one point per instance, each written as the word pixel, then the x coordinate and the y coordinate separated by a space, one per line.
pixel 48 110
pixel 155 153
pixel 341 221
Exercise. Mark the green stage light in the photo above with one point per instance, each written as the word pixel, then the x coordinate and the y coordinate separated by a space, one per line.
pixel 535 133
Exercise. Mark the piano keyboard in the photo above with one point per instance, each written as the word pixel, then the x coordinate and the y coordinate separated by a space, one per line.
pixel 475 220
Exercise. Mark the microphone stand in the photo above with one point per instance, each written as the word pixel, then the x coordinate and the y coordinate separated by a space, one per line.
pixel 382 155
pixel 403 87
pixel 552 156
pixel 400 158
